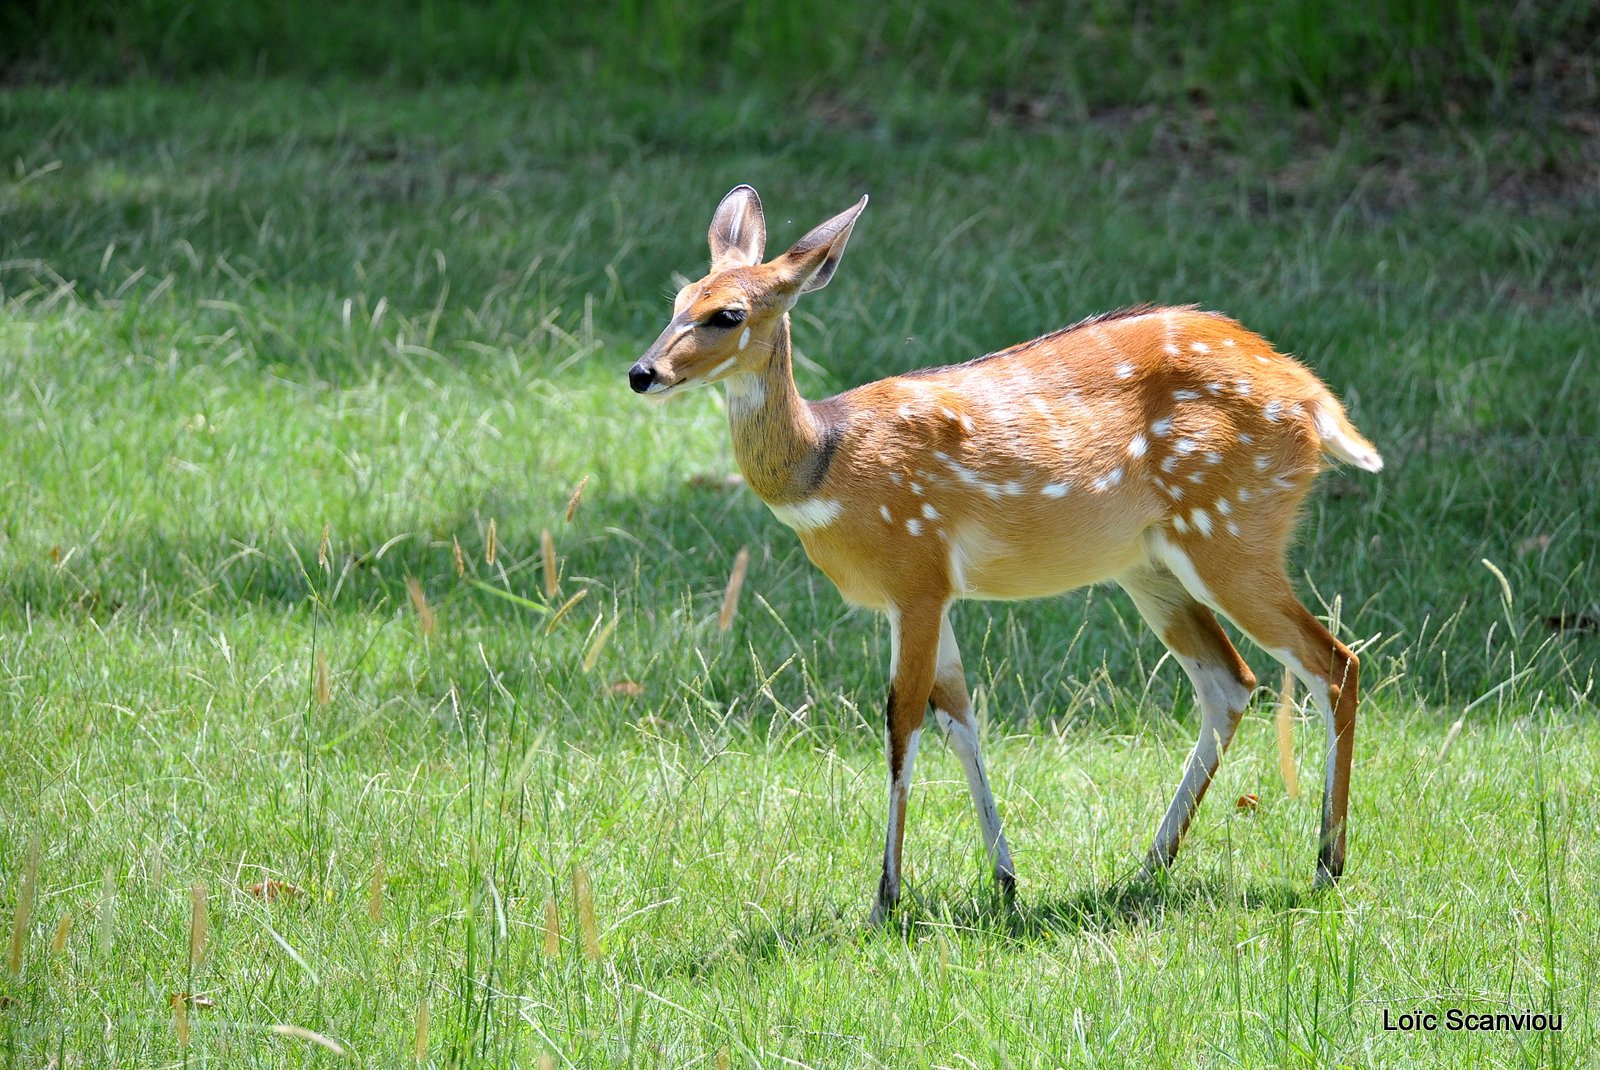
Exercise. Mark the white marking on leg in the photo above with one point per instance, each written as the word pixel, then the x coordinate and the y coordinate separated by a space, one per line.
pixel 1222 698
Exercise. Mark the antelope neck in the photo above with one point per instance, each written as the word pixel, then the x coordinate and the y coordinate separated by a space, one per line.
pixel 783 443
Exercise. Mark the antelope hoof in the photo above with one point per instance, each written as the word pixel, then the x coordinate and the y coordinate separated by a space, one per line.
pixel 885 903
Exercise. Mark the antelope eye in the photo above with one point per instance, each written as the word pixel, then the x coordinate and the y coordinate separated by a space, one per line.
pixel 725 318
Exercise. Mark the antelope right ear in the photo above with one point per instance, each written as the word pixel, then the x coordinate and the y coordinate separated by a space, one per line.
pixel 812 260
pixel 738 231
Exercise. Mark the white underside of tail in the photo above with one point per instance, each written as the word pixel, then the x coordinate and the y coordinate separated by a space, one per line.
pixel 1341 440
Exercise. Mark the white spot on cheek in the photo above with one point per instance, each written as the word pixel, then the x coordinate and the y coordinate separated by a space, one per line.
pixel 1137 447
pixel 808 515
pixel 720 368
pixel 744 339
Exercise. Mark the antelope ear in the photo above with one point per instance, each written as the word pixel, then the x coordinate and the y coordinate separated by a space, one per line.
pixel 738 231
pixel 812 260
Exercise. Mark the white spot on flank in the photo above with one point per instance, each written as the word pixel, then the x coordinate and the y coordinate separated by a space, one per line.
pixel 907 412
pixel 894 477
pixel 1013 488
pixel 1162 427
pixel 914 526
pixel 1201 520
pixel 1273 411
pixel 1228 342
pixel 1244 494
pixel 1180 525
pixel 1213 389
pixel 744 339
pixel 966 423
pixel 1168 463
pixel 1186 395
pixel 929 511
pixel 1260 358
pixel 1223 507
pixel 1040 407
pixel 1197 477
pixel 1109 480
pixel 1199 347
pixel 1261 462
pixel 1137 447
pixel 916 488
pixel 1176 492
pixel 1282 482
pixel 1185 446
pixel 1213 457
pixel 1170 350
pixel 1055 490
pixel 1246 439
pixel 808 515
pixel 1233 529
pixel 883 511
pixel 949 413
pixel 1243 386
pixel 1124 370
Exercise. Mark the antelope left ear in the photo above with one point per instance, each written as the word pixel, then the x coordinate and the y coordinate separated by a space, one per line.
pixel 813 259
pixel 738 231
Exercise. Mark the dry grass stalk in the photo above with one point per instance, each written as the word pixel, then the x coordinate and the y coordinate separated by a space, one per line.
pixel 322 545
pixel 491 545
pixel 1291 779
pixel 24 912
pixel 180 1016
pixel 583 894
pixel 419 1048
pixel 324 688
pixel 577 493
pixel 565 606
pixel 730 599
pixel 58 943
pixel 547 1062
pixel 198 927
pixel 547 550
pixel 592 655
pixel 460 558
pixel 552 928
pixel 419 602
pixel 106 910
pixel 310 1036
pixel 375 891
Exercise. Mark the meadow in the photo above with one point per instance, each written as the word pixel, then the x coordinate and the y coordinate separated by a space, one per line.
pixel 364 695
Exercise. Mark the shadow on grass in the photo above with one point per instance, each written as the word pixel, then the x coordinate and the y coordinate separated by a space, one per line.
pixel 1118 906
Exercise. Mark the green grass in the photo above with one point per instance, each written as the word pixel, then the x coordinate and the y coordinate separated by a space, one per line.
pixel 238 313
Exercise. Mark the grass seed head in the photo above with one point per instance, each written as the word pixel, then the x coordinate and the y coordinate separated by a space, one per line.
pixel 324 689
pixel 565 607
pixel 198 926
pixel 577 493
pixel 592 655
pixel 23 916
pixel 58 943
pixel 491 544
pixel 180 1017
pixel 460 558
pixel 1285 725
pixel 322 545
pixel 583 894
pixel 547 550
pixel 375 891
pixel 419 1047
pixel 552 928
pixel 310 1036
pixel 419 602
pixel 730 598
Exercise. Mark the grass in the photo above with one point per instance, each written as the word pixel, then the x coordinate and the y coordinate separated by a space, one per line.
pixel 240 315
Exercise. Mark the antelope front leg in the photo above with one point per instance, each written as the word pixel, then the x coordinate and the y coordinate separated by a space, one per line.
pixel 914 634
pixel 953 708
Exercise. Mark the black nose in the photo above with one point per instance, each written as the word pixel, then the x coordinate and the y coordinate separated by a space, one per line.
pixel 640 378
